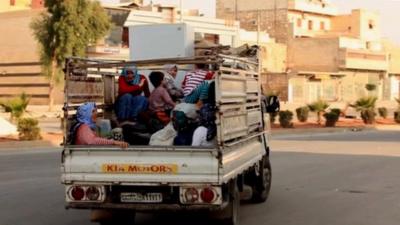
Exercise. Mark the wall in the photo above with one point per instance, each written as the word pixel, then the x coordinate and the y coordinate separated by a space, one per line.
pixel 303 29
pixel 275 58
pixel 367 19
pixel 275 83
pixel 249 5
pixel 357 24
pixel 273 20
pixel 19 5
pixel 393 51
pixel 21 47
pixel 313 54
pixel 313 6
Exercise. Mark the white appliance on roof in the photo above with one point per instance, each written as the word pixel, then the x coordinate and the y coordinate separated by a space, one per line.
pixel 161 41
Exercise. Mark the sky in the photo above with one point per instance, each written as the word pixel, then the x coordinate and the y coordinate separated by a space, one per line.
pixel 389 10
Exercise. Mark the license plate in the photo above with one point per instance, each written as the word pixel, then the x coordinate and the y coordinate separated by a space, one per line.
pixel 142 198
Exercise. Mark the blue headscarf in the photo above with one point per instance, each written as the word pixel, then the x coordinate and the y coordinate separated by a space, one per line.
pixel 136 76
pixel 84 114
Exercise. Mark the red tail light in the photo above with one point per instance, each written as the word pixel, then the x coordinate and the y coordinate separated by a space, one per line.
pixel 207 195
pixel 92 193
pixel 77 193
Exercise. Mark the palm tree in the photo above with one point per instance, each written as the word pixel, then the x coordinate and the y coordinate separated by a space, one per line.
pixel 318 107
pixel 366 106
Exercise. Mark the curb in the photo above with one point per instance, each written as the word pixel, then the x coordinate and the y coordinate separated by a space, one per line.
pixel 318 131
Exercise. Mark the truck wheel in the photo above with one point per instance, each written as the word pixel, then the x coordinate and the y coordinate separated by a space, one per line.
pixel 230 214
pixel 262 184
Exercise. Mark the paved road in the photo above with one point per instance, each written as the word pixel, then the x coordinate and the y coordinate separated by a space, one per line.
pixel 311 185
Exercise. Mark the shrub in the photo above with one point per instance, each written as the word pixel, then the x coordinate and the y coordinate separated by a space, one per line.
pixel 368 116
pixel 28 129
pixel 366 107
pixel 318 107
pixel 398 104
pixel 337 111
pixel 302 113
pixel 397 116
pixel 383 112
pixel 272 116
pixel 16 106
pixel 370 87
pixel 285 119
pixel 331 118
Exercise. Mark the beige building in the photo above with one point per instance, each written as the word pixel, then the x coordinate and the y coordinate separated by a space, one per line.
pixel 330 56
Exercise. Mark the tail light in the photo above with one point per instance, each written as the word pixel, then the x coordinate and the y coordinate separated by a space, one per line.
pixel 191 195
pixel 207 195
pixel 77 193
pixel 85 193
pixel 201 195
pixel 92 193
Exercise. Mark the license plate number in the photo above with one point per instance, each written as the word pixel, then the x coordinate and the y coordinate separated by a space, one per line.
pixel 142 198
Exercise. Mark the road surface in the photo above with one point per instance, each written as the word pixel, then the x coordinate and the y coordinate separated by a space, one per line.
pixel 335 179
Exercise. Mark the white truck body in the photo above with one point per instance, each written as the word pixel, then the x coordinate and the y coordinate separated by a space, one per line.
pixel 242 146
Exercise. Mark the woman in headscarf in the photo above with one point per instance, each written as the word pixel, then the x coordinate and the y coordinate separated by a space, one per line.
pixel 85 134
pixel 171 70
pixel 131 102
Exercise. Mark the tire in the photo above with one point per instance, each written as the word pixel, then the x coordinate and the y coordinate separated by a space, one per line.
pixel 120 218
pixel 262 183
pixel 230 214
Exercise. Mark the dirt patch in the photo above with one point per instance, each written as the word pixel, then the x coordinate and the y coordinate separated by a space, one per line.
pixel 54 138
pixel 342 123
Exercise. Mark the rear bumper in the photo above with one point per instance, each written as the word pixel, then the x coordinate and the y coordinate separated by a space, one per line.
pixel 145 207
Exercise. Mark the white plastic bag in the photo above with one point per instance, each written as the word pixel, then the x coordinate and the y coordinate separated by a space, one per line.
pixel 164 137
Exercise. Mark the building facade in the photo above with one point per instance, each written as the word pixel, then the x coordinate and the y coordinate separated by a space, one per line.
pixel 329 56
pixel 116 45
pixel 15 5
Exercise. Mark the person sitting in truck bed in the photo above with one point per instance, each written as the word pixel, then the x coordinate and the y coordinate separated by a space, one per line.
pixel 195 85
pixel 85 134
pixel 171 70
pixel 204 135
pixel 130 102
pixel 160 102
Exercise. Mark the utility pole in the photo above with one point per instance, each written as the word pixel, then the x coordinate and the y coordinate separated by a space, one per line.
pixel 258 27
pixel 181 11
pixel 236 10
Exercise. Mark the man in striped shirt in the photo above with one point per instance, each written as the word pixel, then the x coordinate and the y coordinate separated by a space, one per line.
pixel 195 85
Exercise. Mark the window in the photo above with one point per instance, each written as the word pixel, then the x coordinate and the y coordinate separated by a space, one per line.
pixel 299 22
pixel 310 25
pixel 371 24
pixel 125 37
pixel 12 2
pixel 349 28
pixel 322 25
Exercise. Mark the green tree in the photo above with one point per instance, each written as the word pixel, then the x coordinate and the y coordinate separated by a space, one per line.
pixel 67 28
pixel 318 107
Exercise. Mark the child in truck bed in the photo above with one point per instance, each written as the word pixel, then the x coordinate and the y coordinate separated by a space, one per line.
pixel 160 102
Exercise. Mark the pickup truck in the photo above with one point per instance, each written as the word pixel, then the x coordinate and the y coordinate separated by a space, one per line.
pixel 116 183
